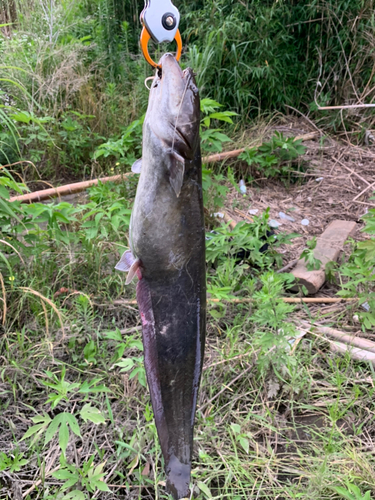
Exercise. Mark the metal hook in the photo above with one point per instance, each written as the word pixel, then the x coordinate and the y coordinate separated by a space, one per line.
pixel 145 38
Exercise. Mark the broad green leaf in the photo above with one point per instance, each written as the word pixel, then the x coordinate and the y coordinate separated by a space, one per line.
pixel 116 335
pixel 204 489
pixel 63 436
pixel 52 429
pixel 344 492
pixel 63 474
pixel 236 428
pixel 74 495
pixel 102 486
pixel 32 430
pixel 73 422
pixel 245 444
pixel 22 116
pixel 126 364
pixel 88 387
pixel 93 414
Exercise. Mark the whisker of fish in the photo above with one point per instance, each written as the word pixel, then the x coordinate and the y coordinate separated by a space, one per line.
pixel 147 79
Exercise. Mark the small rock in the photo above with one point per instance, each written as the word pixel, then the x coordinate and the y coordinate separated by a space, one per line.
pixel 305 222
pixel 309 198
pixel 286 217
pixel 253 211
pixel 356 318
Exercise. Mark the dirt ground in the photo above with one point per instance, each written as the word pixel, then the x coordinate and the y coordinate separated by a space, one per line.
pixel 337 183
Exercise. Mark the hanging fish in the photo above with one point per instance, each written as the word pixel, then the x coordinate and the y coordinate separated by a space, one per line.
pixel 167 241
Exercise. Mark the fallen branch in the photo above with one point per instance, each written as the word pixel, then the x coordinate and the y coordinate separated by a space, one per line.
pixel 363 192
pixel 78 187
pixel 352 171
pixel 40 481
pixel 288 266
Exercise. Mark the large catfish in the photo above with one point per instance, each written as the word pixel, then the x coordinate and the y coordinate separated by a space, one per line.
pixel 167 242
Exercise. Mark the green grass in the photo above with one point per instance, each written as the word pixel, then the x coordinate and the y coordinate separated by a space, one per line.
pixel 76 416
pixel 297 432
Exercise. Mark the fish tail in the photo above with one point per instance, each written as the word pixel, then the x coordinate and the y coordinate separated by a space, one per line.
pixel 173 417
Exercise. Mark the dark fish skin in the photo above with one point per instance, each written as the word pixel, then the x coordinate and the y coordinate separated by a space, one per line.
pixel 167 236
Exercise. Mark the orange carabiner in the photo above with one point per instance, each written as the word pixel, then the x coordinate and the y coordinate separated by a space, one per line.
pixel 145 38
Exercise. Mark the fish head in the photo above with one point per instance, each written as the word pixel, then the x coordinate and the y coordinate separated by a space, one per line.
pixel 174 110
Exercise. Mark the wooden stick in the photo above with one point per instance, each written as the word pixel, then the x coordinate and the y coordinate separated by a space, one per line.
pixel 352 171
pixel 349 106
pixel 78 187
pixel 288 300
pixel 290 264
pixel 363 192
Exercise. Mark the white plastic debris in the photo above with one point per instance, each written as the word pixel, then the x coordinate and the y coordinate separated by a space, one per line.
pixel 253 211
pixel 366 306
pixel 319 179
pixel 273 223
pixel 219 214
pixel 356 318
pixel 309 198
pixel 242 186
pixel 286 217
pixel 305 222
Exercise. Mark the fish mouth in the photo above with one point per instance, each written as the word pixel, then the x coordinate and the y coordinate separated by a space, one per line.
pixel 169 64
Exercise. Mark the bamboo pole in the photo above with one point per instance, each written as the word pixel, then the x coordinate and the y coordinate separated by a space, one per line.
pixel 349 106
pixel 342 337
pixel 288 300
pixel 78 187
pixel 354 352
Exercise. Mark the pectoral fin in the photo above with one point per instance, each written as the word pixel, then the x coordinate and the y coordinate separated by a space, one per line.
pixel 136 167
pixel 129 264
pixel 176 172
pixel 126 261
pixel 133 271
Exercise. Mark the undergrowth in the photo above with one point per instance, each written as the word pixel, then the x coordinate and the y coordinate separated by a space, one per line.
pixel 278 414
